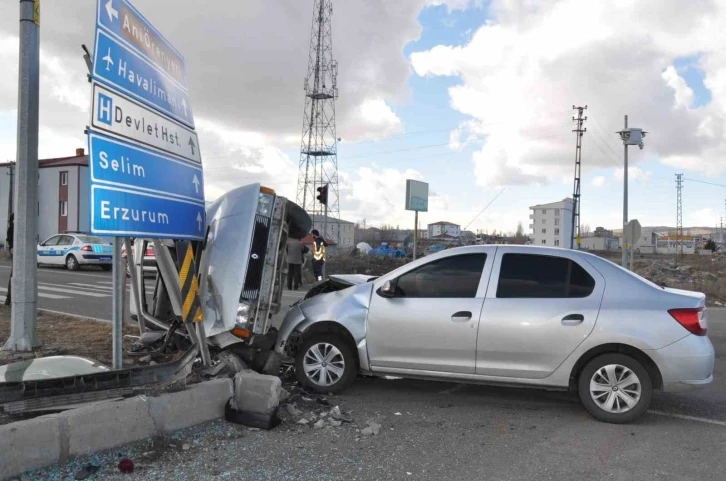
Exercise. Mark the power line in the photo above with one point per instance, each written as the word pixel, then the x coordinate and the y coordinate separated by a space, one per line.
pixel 704 182
pixel 485 208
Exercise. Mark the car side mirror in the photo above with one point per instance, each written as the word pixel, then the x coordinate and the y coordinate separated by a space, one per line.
pixel 388 290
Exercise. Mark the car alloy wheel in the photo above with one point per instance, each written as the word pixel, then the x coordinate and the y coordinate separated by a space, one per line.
pixel 71 263
pixel 615 388
pixel 323 364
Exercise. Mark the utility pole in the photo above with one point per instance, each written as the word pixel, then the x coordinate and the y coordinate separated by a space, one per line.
pixel 23 282
pixel 679 218
pixel 579 131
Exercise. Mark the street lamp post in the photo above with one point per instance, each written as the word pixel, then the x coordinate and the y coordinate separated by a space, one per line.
pixel 629 136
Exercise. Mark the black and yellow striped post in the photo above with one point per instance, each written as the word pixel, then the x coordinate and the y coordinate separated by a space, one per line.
pixel 191 305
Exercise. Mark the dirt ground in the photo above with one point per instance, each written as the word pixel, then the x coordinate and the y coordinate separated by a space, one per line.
pixel 67 335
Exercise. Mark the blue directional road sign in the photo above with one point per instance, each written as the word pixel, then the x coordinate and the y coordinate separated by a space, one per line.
pixel 123 164
pixel 126 24
pixel 126 71
pixel 126 213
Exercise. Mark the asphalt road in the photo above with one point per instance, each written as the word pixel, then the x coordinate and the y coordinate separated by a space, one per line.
pixel 440 431
pixel 430 430
pixel 88 292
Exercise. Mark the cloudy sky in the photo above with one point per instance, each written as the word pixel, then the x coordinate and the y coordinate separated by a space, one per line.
pixel 471 96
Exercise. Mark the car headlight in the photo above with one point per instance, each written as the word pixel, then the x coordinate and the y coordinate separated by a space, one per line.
pixel 243 315
pixel 264 204
pixel 242 326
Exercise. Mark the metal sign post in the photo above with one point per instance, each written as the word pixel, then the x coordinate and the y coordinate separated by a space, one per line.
pixel 415 235
pixel 417 200
pixel 146 175
pixel 23 282
pixel 117 317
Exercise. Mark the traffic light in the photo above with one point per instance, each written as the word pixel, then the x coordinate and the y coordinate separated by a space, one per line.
pixel 323 194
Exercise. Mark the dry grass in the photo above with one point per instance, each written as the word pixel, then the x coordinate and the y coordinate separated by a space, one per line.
pixel 67 335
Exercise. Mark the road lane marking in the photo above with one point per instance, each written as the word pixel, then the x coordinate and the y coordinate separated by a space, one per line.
pixel 689 418
pixel 70 291
pixel 42 294
pixel 104 288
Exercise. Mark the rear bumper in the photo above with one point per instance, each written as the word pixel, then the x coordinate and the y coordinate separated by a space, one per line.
pixel 679 386
pixel 686 364
pixel 95 259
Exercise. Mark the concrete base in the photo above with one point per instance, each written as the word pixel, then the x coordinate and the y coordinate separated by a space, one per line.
pixel 39 442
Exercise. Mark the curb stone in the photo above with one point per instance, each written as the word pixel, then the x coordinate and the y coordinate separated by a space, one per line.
pixel 45 440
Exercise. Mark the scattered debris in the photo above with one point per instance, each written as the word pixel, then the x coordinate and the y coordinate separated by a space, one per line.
pixel 303 421
pixel 397 414
pixel 186 447
pixel 87 471
pixel 126 465
pixel 320 424
pixel 335 423
pixel 372 430
pixel 293 411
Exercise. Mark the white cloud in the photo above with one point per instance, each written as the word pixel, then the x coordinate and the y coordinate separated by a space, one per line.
pixel 600 181
pixel 683 93
pixel 523 69
pixel 706 217
pixel 375 120
pixel 635 174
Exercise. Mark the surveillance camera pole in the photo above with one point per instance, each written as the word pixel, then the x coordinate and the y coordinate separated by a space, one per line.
pixel 625 198
pixel 23 282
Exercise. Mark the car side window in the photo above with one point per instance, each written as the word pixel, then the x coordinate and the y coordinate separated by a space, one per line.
pixel 53 241
pixel 540 276
pixel 451 277
pixel 65 240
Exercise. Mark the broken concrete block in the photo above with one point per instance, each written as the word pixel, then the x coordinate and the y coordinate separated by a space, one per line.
pixel 90 428
pixel 320 424
pixel 256 393
pixel 32 446
pixel 200 403
pixel 293 411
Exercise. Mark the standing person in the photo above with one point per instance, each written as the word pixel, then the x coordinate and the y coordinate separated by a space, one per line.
pixel 319 246
pixel 9 238
pixel 296 250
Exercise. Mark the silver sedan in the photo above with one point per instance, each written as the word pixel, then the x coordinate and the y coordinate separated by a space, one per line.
pixel 506 315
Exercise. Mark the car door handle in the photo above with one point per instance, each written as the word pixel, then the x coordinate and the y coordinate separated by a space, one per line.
pixel 573 320
pixel 461 316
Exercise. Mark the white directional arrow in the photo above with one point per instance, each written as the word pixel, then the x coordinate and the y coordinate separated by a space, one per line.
pixel 199 221
pixel 195 181
pixel 112 12
pixel 185 106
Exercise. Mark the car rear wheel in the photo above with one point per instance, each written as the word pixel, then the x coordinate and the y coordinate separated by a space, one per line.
pixel 326 363
pixel 615 388
pixel 72 263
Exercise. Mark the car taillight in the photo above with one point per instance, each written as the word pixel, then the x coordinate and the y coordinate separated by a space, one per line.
pixel 692 319
pixel 149 252
pixel 87 248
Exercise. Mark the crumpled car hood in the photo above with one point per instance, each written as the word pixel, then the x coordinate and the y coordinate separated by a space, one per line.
pixel 352 279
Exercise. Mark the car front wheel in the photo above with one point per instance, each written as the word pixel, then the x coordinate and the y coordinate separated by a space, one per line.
pixel 615 388
pixel 326 363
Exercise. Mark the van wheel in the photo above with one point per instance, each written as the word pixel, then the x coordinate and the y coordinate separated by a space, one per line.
pixel 72 263
pixel 615 388
pixel 326 363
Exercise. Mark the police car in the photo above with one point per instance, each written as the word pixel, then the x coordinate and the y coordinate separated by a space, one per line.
pixel 74 250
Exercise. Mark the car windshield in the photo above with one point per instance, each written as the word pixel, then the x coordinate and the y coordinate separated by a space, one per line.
pixel 90 239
